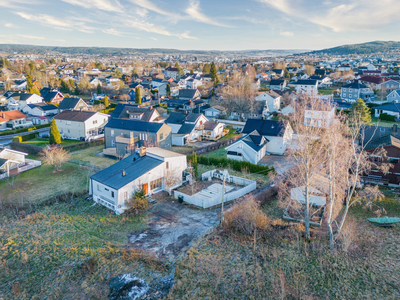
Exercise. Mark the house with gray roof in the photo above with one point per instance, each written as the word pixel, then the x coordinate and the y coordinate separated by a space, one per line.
pixel 392 109
pixel 185 127
pixel 73 103
pixel 260 138
pixel 355 90
pixel 123 136
pixel 134 112
pixel 149 170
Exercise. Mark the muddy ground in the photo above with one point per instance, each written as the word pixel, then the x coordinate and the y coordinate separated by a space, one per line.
pixel 172 227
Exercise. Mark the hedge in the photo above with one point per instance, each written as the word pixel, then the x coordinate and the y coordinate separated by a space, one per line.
pixel 23 138
pixel 30 149
pixel 236 165
pixel 84 145
pixel 387 117
pixel 106 111
pixel 7 132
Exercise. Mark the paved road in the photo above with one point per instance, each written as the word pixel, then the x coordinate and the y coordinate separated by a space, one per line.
pixel 10 136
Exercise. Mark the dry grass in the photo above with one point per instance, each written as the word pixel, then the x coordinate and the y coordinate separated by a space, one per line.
pixel 89 155
pixel 68 251
pixel 226 266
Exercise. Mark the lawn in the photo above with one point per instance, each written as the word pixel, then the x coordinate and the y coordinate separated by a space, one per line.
pixel 217 153
pixel 67 251
pixel 384 123
pixel 182 149
pixel 41 183
pixel 43 142
pixel 232 133
pixel 326 91
pixel 226 265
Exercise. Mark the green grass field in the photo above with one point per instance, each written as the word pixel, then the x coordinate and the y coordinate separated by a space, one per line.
pixel 384 123
pixel 217 153
pixel 43 142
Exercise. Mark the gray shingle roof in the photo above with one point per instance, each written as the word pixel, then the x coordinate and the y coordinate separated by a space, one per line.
pixel 134 125
pixel 186 128
pixel 265 127
pixel 68 103
pixel 113 175
pixel 388 140
pixel 74 115
pixel 389 107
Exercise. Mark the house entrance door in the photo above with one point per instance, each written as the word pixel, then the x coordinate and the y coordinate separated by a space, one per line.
pixel 146 188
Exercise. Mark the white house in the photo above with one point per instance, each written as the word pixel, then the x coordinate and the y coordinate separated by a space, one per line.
pixel 272 99
pixel 318 193
pixel 214 111
pixel 393 96
pixel 392 109
pixel 81 125
pixel 308 86
pixel 213 130
pixel 40 110
pixel 261 137
pixel 18 101
pixel 151 170
pixel 319 118
pixel 13 119
pixel 171 72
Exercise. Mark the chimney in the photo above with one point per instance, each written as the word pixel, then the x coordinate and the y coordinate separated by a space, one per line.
pixel 123 173
pixel 3 115
pixel 142 151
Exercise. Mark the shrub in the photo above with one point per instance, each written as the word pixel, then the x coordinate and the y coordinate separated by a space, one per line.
pixel 387 117
pixel 17 139
pixel 14 131
pixel 30 149
pixel 236 165
pixel 246 217
pixel 84 145
pixel 137 203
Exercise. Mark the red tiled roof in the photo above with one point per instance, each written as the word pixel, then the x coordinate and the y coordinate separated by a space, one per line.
pixel 11 115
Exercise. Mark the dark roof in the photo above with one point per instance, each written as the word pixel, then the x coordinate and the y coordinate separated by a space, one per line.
pixel 68 103
pixel 113 175
pixel 135 125
pixel 186 128
pixel 306 82
pixel 265 127
pixel 121 111
pixel 210 125
pixel 2 161
pixel 371 132
pixel 74 115
pixel 180 118
pixel 387 140
pixel 21 96
pixel 276 82
pixel 50 95
pixel 178 101
pixel 254 140
pixel 172 69
pixel 389 107
pixel 187 93
pixel 355 85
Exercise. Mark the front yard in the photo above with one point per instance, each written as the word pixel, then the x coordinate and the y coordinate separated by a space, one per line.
pixel 43 142
pixel 384 123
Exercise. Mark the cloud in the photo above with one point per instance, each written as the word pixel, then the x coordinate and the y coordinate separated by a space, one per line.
pixel 341 15
pixel 10 25
pixel 150 6
pixel 149 27
pixel 13 3
pixel 154 39
pixel 112 31
pixel 58 23
pixel 33 37
pixel 106 5
pixel 194 12
pixel 287 33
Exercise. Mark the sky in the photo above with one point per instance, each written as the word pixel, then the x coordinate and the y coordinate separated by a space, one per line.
pixel 199 24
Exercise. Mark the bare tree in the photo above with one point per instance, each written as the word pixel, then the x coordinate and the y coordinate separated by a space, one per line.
pixel 171 179
pixel 309 70
pixel 307 153
pixel 55 157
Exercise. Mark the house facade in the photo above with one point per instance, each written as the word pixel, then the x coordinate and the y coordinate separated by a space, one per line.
pixel 13 119
pixel 150 170
pixel 81 125
pixel 355 90
pixel 308 87
pixel 271 99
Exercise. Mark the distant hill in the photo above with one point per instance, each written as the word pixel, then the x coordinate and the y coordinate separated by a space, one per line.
pixel 32 49
pixel 364 48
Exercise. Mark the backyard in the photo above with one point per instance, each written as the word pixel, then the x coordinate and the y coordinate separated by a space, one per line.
pixel 43 142
pixel 384 123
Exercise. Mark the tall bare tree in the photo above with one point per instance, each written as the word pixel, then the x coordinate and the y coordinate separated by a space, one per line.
pixel 55 157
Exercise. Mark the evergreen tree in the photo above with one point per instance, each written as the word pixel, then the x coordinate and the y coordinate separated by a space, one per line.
pixel 64 87
pixel 31 67
pixel 6 63
pixel 287 74
pixel 206 69
pixel 106 101
pixel 29 83
pixel 34 90
pixel 213 71
pixel 55 136
pixel 98 89
pixel 138 99
pixel 168 90
pixel 362 111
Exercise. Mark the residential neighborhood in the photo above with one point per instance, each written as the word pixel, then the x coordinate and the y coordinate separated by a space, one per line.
pixel 198 150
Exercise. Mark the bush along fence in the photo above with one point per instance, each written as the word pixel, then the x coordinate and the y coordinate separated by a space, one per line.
pixel 25 137
pixel 222 162
pixel 35 150
pixel 387 117
pixel 7 132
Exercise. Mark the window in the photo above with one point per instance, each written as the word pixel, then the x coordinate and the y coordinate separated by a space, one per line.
pixel 68 122
pixel 98 187
pixel 112 133
pixel 95 122
pixel 69 131
pixel 106 189
pixel 394 160
pixel 112 194
pixel 125 196
pixel 167 165
pixel 112 143
pixel 161 136
pixel 155 184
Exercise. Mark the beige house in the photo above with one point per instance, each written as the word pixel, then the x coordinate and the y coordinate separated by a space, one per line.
pixel 81 125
